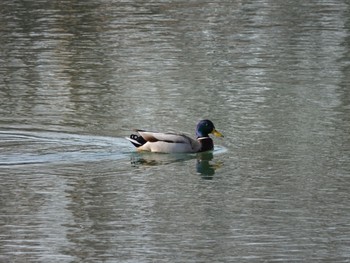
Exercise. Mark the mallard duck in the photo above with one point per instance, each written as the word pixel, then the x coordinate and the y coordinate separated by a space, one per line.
pixel 176 142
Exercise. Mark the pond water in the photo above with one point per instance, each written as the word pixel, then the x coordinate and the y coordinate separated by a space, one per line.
pixel 76 77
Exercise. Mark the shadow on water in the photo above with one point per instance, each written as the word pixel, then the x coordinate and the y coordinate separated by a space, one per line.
pixel 205 164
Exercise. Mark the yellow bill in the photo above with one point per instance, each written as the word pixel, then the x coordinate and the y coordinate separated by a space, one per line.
pixel 217 133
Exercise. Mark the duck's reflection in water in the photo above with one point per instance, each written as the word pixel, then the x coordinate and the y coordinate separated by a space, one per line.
pixel 204 165
pixel 204 161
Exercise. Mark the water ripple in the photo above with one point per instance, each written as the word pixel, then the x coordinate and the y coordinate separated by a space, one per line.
pixel 26 147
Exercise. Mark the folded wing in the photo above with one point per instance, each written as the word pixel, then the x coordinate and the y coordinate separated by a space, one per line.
pixel 166 137
pixel 168 142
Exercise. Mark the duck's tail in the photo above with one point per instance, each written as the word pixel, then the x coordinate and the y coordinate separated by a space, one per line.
pixel 136 140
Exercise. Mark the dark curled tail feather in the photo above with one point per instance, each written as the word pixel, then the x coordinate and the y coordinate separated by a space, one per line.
pixel 137 140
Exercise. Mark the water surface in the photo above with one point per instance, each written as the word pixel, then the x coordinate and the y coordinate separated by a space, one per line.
pixel 77 77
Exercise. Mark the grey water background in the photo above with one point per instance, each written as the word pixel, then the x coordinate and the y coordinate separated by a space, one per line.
pixel 76 77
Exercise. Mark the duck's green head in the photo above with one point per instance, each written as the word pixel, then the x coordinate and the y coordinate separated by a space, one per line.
pixel 204 127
